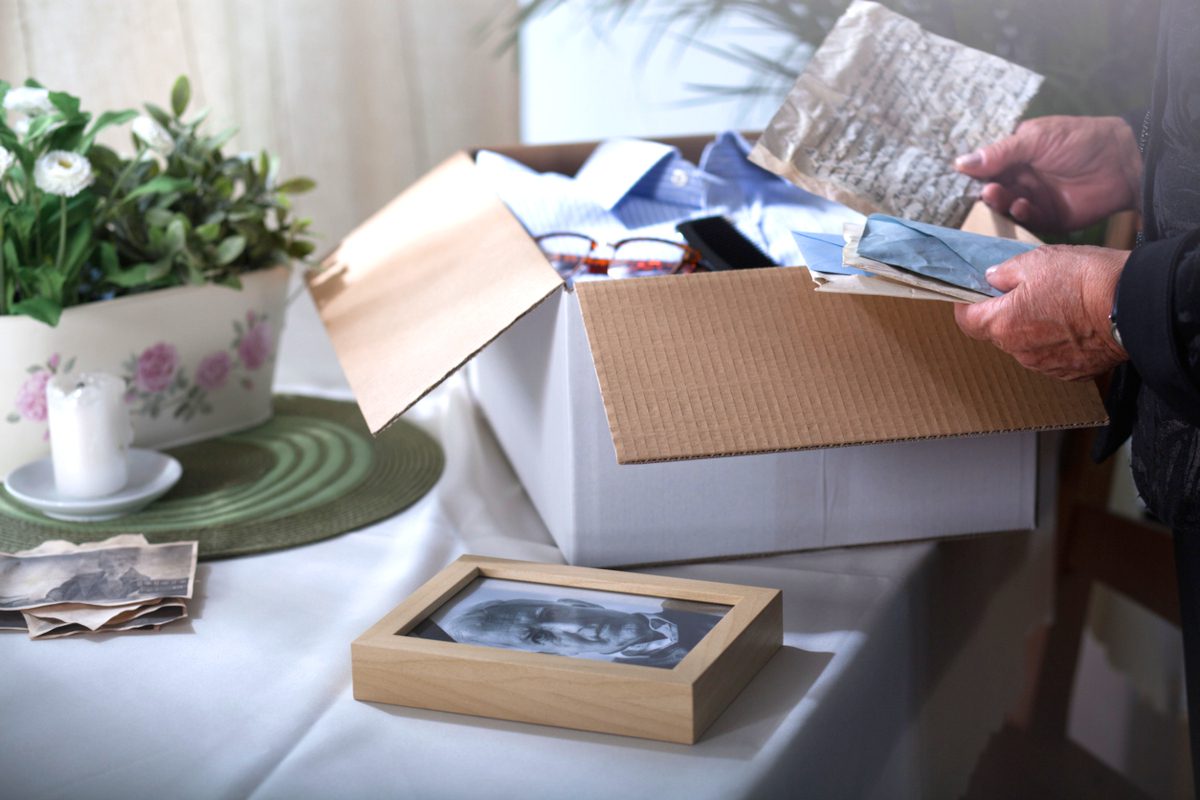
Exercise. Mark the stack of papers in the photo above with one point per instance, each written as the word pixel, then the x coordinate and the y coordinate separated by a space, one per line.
pixel 120 584
pixel 904 258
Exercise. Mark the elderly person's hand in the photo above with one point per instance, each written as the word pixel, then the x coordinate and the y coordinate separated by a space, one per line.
pixel 1053 317
pixel 1060 173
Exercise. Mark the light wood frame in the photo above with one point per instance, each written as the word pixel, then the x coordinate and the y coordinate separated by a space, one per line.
pixel 674 705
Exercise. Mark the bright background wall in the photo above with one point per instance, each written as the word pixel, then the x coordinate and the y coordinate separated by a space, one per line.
pixel 586 77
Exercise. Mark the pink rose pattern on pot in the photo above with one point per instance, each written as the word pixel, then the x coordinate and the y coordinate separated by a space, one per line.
pixel 255 346
pixel 156 367
pixel 213 371
pixel 31 399
pixel 30 402
pixel 158 382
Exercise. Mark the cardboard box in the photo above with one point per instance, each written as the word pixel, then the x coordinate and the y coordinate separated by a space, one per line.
pixel 688 417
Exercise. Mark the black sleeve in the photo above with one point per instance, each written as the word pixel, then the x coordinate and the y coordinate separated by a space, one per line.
pixel 1136 120
pixel 1158 313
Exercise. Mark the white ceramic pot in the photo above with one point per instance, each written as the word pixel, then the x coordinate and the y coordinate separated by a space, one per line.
pixel 198 361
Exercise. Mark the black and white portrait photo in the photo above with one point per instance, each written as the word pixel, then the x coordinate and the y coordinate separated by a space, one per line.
pixel 565 621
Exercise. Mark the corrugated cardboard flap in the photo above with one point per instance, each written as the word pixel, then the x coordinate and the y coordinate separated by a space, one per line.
pixel 755 361
pixel 423 285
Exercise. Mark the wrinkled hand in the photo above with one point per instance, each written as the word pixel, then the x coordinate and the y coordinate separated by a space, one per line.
pixel 1054 316
pixel 1060 173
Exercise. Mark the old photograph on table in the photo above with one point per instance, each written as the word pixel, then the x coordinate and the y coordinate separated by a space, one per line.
pixel 568 621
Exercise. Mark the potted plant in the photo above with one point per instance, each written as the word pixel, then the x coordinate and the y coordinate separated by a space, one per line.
pixel 167 265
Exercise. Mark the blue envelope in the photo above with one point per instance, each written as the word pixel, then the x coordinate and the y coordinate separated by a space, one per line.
pixel 823 253
pixel 947 254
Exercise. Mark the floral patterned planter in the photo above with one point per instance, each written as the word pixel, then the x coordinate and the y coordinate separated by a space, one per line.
pixel 198 361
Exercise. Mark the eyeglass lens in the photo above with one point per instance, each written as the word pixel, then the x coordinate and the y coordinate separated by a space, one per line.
pixel 575 256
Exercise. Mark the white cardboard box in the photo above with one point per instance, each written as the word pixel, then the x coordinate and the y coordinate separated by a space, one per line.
pixel 537 386
pixel 695 416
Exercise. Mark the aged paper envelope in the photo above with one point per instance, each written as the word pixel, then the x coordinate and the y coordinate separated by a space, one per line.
pixel 881 110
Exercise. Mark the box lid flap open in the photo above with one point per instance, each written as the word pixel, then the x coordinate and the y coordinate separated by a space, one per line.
pixel 424 284
pixel 756 361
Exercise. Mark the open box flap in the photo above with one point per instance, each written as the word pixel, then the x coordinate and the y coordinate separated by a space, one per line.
pixel 756 361
pixel 424 284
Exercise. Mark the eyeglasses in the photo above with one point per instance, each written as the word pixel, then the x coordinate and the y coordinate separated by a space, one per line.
pixel 575 254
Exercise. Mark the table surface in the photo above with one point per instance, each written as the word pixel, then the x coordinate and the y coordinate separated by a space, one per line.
pixel 898 663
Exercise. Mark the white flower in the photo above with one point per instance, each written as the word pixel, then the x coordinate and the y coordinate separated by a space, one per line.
pixel 62 172
pixel 153 135
pixel 21 126
pixel 6 160
pixel 28 100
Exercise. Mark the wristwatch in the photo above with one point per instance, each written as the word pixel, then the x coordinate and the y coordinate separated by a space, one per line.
pixel 1112 322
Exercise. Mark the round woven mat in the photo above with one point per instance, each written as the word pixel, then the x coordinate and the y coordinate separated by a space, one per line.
pixel 313 471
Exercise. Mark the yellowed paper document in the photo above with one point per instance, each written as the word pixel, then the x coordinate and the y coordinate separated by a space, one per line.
pixel 882 109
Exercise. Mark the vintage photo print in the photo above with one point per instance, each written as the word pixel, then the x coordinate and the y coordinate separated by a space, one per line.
pixel 565 621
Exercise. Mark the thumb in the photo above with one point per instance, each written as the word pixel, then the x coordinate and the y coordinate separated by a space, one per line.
pixel 992 159
pixel 1005 276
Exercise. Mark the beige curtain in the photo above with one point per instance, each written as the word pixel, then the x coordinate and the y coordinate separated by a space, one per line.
pixel 362 95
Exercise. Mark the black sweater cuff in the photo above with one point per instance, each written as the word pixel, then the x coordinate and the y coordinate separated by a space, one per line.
pixel 1146 320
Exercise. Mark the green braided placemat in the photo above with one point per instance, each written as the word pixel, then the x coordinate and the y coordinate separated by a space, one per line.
pixel 311 472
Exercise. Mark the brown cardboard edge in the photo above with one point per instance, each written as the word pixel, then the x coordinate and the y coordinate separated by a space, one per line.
pixel 462 363
pixel 930 437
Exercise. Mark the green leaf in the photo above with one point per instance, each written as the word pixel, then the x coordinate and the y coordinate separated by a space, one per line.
pixel 214 143
pixel 139 275
pixel 108 258
pixel 163 184
pixel 246 214
pixel 159 217
pixel 176 238
pixel 68 135
pixel 39 125
pixel 105 120
pixel 42 309
pixel 160 116
pixel 181 93
pixel 296 186
pixel 230 249
pixel 300 249
pixel 79 247
pixel 209 232
pixel 223 187
pixel 104 160
pixel 13 416
pixel 67 104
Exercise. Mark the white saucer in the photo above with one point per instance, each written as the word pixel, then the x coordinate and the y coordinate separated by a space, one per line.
pixel 151 474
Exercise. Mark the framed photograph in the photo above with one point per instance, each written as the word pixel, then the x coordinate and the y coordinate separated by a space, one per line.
pixel 599 650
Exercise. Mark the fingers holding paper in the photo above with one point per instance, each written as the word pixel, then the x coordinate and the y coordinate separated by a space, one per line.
pixel 1059 173
pixel 1053 317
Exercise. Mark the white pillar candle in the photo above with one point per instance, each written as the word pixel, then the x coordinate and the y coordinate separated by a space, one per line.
pixel 89 434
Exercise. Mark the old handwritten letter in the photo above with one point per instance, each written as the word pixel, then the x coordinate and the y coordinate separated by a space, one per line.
pixel 881 110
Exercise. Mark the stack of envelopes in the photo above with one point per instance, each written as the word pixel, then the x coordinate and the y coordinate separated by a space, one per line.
pixel 892 256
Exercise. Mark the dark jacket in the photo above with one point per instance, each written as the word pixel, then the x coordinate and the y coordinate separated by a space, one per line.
pixel 1156 396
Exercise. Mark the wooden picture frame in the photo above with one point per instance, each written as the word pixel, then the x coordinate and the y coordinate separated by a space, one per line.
pixel 674 704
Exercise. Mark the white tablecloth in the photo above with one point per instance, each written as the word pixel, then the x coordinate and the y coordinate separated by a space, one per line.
pixel 898 662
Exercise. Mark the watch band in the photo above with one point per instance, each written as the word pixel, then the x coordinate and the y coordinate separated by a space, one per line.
pixel 1112 322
